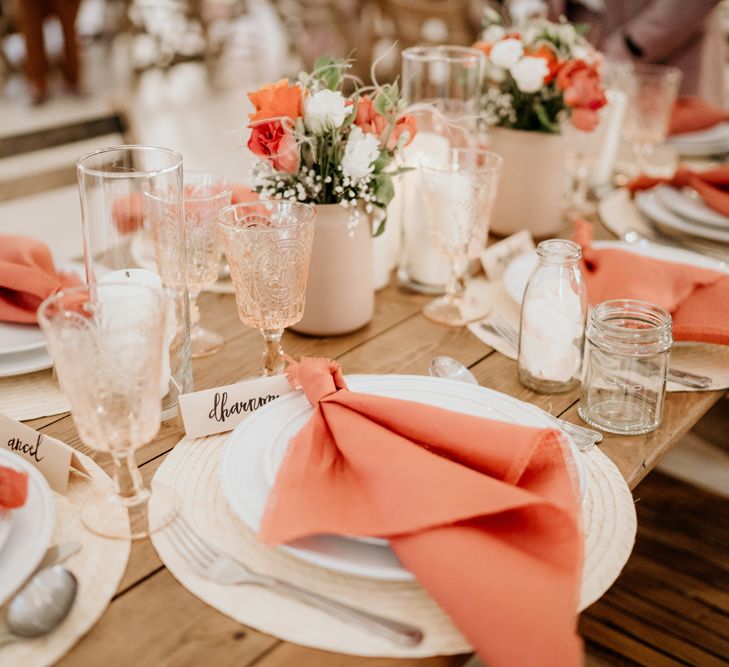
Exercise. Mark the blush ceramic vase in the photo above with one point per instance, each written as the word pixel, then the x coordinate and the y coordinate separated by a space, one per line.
pixel 532 182
pixel 340 294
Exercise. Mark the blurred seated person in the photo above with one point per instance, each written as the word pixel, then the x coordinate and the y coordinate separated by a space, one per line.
pixel 31 15
pixel 683 33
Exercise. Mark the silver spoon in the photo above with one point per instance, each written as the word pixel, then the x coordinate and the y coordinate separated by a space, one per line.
pixel 40 606
pixel 452 369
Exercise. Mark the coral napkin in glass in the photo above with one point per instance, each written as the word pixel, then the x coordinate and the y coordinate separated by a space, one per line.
pixel 692 114
pixel 698 299
pixel 485 514
pixel 27 277
pixel 712 185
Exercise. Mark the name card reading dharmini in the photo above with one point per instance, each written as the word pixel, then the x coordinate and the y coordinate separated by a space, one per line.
pixel 55 459
pixel 223 408
pixel 498 256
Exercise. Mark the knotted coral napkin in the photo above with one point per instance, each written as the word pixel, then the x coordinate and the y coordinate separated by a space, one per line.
pixel 13 488
pixel 698 299
pixel 484 513
pixel 27 277
pixel 712 185
pixel 692 114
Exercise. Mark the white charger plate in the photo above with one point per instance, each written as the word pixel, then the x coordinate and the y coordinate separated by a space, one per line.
pixel 6 522
pixel 519 269
pixel 691 207
pixel 649 205
pixel 256 447
pixel 711 141
pixel 20 338
pixel 31 529
pixel 24 362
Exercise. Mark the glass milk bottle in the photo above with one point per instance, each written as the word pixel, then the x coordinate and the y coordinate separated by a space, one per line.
pixel 553 313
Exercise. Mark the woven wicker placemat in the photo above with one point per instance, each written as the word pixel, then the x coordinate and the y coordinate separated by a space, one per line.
pixel 32 395
pixel 99 567
pixel 192 469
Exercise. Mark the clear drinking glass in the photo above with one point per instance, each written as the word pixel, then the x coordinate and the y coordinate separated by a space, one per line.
pixel 205 195
pixel 627 355
pixel 107 350
pixel 458 198
pixel 442 87
pixel 583 150
pixel 651 92
pixel 553 313
pixel 115 184
pixel 268 246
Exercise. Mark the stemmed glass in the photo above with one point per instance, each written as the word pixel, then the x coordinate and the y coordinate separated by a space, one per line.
pixel 583 150
pixel 205 196
pixel 651 91
pixel 459 198
pixel 268 247
pixel 107 352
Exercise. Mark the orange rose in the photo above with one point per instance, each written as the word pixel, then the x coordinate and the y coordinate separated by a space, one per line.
pixel 484 47
pixel 372 122
pixel 276 100
pixel 273 142
pixel 545 52
pixel 583 92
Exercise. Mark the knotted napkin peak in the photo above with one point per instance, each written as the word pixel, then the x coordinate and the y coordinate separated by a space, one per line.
pixel 317 376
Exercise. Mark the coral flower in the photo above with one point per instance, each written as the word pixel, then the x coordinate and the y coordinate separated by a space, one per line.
pixel 273 142
pixel 276 100
pixel 548 54
pixel 582 92
pixel 372 122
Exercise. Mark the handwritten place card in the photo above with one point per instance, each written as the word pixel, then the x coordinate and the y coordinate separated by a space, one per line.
pixel 497 257
pixel 223 408
pixel 55 459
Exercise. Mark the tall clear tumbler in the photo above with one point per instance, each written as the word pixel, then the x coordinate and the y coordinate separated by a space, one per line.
pixel 442 87
pixel 124 192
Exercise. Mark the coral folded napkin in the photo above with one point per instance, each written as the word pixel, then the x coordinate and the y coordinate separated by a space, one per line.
pixel 698 299
pixel 13 488
pixel 27 277
pixel 712 185
pixel 484 513
pixel 692 114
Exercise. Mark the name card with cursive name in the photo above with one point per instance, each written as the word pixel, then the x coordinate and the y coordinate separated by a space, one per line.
pixel 55 459
pixel 497 257
pixel 223 408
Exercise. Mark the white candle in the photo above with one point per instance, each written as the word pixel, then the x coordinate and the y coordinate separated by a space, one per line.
pixel 150 278
pixel 602 171
pixel 422 260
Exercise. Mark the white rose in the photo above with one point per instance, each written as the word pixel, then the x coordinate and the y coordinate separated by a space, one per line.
pixel 493 34
pixel 506 52
pixel 325 110
pixel 529 74
pixel 359 154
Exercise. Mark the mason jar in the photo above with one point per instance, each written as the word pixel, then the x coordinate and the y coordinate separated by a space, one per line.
pixel 553 314
pixel 627 354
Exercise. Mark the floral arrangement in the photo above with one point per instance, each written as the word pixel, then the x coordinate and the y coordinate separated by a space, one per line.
pixel 537 77
pixel 316 145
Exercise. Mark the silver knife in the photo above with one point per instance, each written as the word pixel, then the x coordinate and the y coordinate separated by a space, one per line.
pixel 58 553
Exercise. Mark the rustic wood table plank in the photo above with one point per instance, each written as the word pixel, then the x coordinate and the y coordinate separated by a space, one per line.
pixel 155 621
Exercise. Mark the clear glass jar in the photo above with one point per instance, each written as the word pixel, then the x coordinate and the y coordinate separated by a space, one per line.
pixel 553 314
pixel 627 355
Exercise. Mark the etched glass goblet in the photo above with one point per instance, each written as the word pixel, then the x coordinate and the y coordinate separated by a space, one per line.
pixel 268 247
pixel 107 351
pixel 459 197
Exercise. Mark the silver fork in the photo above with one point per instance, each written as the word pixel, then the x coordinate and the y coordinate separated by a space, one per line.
pixel 503 329
pixel 216 566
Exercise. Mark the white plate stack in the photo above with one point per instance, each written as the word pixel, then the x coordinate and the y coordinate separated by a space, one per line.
pixel 703 143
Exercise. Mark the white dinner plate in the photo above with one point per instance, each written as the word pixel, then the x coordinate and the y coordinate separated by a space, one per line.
pixel 711 141
pixel 31 529
pixel 20 338
pixel 519 269
pixel 688 204
pixel 256 447
pixel 24 362
pixel 649 205
pixel 6 522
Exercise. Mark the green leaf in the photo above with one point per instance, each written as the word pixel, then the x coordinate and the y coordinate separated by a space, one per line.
pixel 381 227
pixel 329 71
pixel 384 189
pixel 544 118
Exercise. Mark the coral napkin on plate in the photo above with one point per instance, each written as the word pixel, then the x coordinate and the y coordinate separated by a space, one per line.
pixel 692 114
pixel 698 299
pixel 484 513
pixel 27 277
pixel 712 185
pixel 13 488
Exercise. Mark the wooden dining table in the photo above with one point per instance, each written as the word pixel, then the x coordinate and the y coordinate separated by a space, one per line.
pixel 153 620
